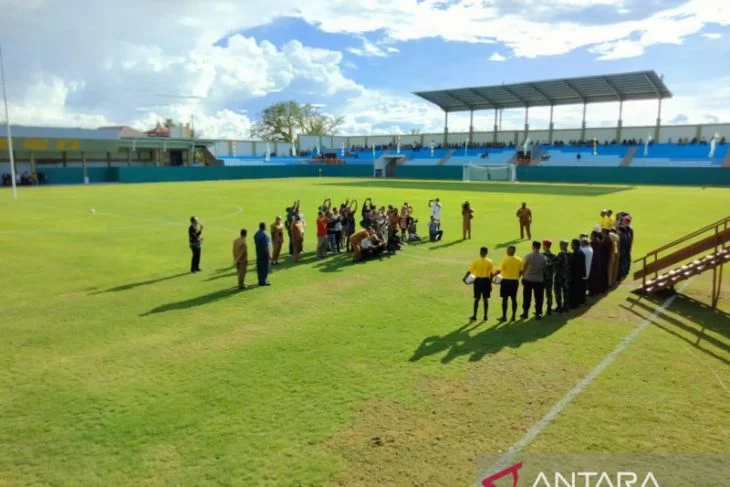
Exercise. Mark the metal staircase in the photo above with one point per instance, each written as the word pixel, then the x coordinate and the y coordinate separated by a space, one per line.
pixel 691 252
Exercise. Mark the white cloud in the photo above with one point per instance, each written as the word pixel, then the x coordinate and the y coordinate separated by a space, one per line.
pixel 712 35
pixel 497 57
pixel 610 51
pixel 369 49
pixel 138 70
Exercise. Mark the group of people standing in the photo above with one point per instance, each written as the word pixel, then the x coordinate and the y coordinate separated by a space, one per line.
pixel 591 267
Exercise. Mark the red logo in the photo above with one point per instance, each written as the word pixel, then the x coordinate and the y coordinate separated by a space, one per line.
pixel 489 481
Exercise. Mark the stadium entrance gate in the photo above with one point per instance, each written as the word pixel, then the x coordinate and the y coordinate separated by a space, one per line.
pixel 385 166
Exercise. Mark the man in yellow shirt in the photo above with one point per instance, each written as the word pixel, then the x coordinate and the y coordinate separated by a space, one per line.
pixel 610 219
pixel 240 258
pixel 482 270
pixel 510 269
pixel 604 219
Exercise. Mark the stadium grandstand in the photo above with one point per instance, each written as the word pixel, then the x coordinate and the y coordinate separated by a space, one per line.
pixel 698 146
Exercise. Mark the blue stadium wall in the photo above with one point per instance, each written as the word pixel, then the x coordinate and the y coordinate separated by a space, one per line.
pixel 706 176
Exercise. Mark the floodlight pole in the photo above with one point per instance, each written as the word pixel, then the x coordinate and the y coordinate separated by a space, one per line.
pixel 7 122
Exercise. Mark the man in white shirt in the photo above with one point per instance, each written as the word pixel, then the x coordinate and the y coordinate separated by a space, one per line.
pixel 585 246
pixel 435 208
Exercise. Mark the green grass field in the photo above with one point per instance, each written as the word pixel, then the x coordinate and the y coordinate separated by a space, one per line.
pixel 117 367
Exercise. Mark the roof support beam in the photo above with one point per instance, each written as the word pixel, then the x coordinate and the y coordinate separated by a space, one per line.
pixel 575 90
pixel 460 100
pixel 484 97
pixel 508 90
pixel 619 95
pixel 550 100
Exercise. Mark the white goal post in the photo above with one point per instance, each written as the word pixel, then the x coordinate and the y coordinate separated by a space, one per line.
pixel 490 173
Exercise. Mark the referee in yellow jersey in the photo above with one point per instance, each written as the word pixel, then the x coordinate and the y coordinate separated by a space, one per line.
pixel 510 268
pixel 482 269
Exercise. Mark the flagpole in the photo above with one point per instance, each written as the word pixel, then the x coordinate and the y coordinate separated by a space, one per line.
pixel 7 122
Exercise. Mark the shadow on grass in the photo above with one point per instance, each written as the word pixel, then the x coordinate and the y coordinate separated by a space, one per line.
pixel 447 244
pixel 514 241
pixel 467 340
pixel 198 301
pixel 288 263
pixel 127 287
pixel 512 188
pixel 698 313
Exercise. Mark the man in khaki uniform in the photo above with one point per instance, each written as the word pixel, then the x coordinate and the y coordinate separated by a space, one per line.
pixel 240 258
pixel 356 241
pixel 277 239
pixel 525 216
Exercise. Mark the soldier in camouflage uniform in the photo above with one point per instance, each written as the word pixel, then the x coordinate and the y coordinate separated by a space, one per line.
pixel 562 277
pixel 548 275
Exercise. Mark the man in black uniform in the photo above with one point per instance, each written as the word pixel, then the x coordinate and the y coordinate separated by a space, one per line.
pixel 195 230
pixel 577 275
pixel 291 212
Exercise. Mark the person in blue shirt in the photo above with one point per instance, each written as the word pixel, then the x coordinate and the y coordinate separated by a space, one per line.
pixel 262 242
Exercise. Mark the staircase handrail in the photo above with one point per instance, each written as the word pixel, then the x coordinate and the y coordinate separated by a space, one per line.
pixel 696 233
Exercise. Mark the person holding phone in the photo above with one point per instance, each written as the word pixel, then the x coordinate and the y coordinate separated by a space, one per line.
pixel 195 239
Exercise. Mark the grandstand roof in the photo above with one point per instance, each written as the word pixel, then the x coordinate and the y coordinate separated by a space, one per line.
pixel 642 85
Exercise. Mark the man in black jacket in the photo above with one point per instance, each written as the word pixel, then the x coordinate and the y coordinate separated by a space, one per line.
pixel 577 275
pixel 195 230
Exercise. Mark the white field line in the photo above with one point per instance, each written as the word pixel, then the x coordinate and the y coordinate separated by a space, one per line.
pixel 558 407
pixel 719 380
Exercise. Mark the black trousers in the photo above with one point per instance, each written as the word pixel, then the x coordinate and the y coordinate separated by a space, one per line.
pixel 528 289
pixel 195 262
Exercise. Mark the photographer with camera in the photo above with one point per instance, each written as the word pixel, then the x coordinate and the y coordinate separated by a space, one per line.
pixel 434 230
pixel 466 216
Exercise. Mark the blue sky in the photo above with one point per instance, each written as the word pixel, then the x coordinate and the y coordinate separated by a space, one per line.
pixel 357 58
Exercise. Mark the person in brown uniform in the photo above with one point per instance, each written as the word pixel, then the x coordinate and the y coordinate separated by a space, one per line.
pixel 356 240
pixel 525 216
pixel 297 236
pixel 466 215
pixel 277 239
pixel 240 258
